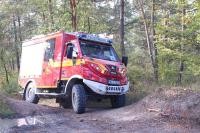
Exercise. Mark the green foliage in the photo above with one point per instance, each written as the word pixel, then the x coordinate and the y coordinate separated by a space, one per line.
pixel 177 39
pixel 5 110
pixel 11 87
pixel 140 90
pixel 139 67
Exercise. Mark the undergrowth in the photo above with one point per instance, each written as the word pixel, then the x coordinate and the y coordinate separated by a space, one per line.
pixel 5 110
pixel 11 87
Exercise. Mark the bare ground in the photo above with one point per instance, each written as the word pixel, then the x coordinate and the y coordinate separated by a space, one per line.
pixel 169 110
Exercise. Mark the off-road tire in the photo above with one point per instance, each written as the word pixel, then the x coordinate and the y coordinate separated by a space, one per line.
pixel 118 101
pixel 30 95
pixel 65 102
pixel 78 98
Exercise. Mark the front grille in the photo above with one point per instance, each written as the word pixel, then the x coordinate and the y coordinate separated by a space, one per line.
pixel 112 69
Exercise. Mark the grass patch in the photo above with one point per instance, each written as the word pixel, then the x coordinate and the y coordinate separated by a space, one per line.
pixel 5 110
pixel 11 87
pixel 139 91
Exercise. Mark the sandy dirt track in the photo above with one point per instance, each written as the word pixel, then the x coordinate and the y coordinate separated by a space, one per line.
pixel 165 111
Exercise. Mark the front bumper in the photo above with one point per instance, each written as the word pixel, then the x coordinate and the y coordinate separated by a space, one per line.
pixel 103 89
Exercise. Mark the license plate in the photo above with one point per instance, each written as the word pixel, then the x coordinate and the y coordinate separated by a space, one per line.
pixel 113 82
pixel 115 89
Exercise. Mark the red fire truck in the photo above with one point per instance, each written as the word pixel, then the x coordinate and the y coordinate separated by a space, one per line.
pixel 72 67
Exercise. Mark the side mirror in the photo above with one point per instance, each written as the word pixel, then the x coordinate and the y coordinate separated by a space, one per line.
pixel 125 60
pixel 69 52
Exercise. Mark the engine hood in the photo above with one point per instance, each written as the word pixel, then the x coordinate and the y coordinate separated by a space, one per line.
pixel 104 71
pixel 104 62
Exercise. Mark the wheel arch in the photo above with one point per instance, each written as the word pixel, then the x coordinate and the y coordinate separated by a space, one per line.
pixel 76 79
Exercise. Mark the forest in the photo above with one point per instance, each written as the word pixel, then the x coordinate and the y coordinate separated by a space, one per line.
pixel 160 37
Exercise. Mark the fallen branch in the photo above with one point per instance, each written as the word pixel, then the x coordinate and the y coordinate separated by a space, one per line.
pixel 164 114
pixel 153 110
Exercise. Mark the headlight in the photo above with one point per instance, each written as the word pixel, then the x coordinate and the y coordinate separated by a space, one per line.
pixel 100 68
pixel 122 70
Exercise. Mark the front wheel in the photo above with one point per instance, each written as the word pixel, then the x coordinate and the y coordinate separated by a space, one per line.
pixel 78 98
pixel 118 101
pixel 30 95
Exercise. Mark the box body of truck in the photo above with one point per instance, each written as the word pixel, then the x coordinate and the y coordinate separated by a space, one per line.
pixel 71 66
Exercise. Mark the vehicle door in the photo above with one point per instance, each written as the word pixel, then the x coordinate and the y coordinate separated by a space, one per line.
pixel 48 65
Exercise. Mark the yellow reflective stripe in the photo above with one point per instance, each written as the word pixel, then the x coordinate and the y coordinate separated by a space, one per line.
pixel 65 63
pixel 64 78
pixel 80 61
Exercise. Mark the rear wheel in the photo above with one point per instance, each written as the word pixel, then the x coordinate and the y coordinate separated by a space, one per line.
pixel 78 98
pixel 30 95
pixel 118 101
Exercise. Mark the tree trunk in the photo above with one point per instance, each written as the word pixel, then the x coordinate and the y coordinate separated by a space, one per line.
pixel 73 5
pixel 43 17
pixel 89 26
pixel 150 47
pixel 181 64
pixel 16 44
pixel 12 64
pixel 4 65
pixel 122 28
pixel 155 64
pixel 20 34
pixel 50 4
pixel 19 27
pixel 6 71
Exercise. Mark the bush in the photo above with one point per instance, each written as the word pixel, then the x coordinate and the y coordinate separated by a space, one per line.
pixel 12 86
pixel 140 90
pixel 5 111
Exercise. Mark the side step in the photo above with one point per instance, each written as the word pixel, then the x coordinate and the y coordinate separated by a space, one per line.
pixel 50 94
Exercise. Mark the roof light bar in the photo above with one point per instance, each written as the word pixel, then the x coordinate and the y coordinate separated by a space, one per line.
pixel 93 37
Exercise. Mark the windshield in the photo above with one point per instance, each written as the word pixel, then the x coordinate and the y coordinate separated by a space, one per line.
pixel 99 51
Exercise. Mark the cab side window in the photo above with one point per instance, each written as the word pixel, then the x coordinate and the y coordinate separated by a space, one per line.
pixel 49 50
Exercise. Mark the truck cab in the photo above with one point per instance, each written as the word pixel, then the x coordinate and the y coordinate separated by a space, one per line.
pixel 73 68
